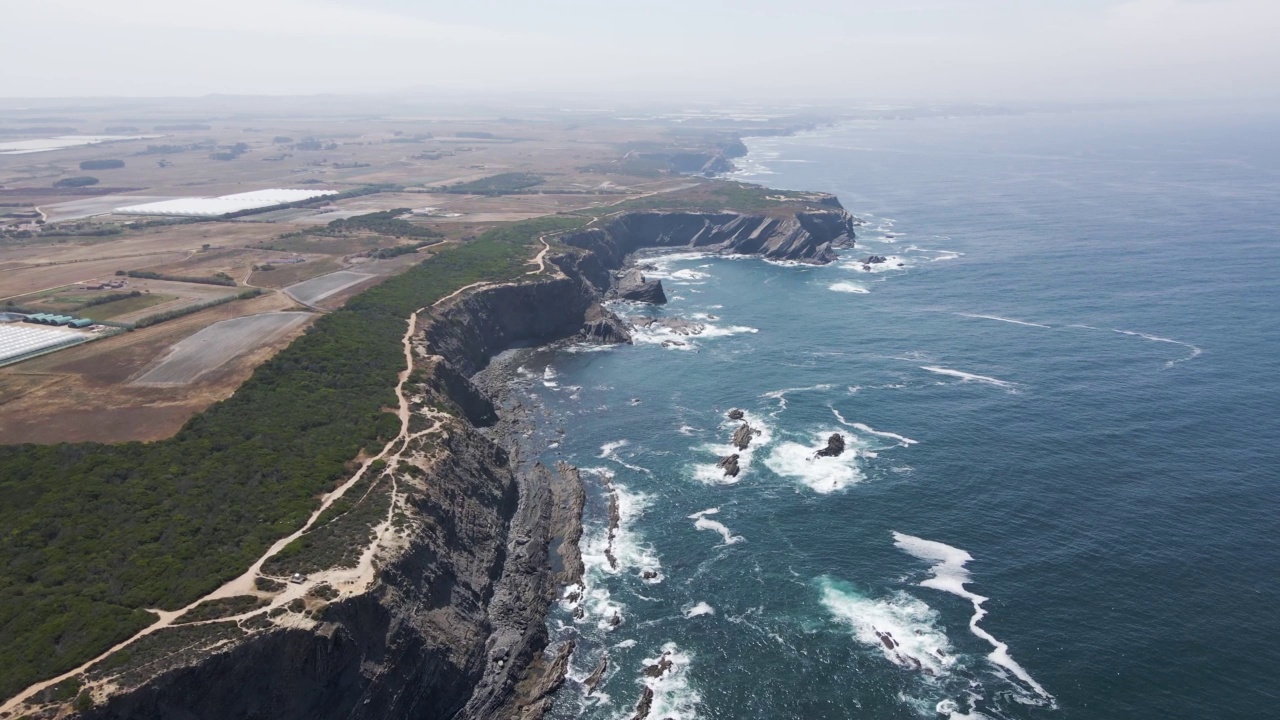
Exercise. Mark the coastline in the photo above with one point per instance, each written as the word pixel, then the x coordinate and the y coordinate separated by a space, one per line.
pixel 488 654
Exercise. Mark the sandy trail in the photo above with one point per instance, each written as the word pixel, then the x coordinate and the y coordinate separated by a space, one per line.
pixel 347 580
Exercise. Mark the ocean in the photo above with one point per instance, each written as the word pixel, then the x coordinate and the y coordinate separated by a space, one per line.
pixel 1059 399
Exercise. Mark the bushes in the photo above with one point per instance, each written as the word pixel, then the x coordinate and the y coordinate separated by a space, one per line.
pixel 112 297
pixel 101 164
pixel 76 182
pixel 501 184
pixel 219 279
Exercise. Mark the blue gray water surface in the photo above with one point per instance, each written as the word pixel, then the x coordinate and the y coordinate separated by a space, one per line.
pixel 1059 495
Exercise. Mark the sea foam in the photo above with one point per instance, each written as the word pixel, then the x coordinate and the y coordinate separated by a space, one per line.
pixel 950 575
pixel 904 629
pixel 702 523
pixel 970 377
pixel 822 474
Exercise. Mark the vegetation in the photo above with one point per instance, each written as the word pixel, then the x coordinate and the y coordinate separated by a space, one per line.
pixel 387 222
pixel 384 223
pixel 230 152
pixel 219 279
pixel 171 149
pixel 101 164
pixel 222 607
pixel 93 533
pixel 83 181
pixel 502 184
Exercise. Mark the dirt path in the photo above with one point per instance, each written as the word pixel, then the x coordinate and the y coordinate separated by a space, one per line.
pixel 350 580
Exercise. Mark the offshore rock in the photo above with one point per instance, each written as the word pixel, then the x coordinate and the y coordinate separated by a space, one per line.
pixel 729 464
pixel 742 436
pixel 593 680
pixel 834 448
pixel 736 414
pixel 633 286
pixel 604 327
pixel 679 326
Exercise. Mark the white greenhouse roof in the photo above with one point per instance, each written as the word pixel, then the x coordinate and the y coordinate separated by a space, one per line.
pixel 19 340
pixel 213 206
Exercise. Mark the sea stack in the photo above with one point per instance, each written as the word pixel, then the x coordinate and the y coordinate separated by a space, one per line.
pixel 835 446
pixel 633 286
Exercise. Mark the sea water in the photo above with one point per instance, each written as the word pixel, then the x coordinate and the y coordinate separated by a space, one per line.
pixel 1059 397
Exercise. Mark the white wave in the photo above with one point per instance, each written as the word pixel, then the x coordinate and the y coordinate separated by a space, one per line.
pixel 781 395
pixel 609 451
pixel 951 709
pixel 891 262
pixel 688 430
pixel 950 575
pixel 688 274
pixel 549 377
pixel 701 608
pixel 630 555
pixel 713 474
pixel 628 643
pixel 1195 351
pixel 967 377
pixel 674 697
pixel 588 347
pixel 900 626
pixel 848 287
pixel 702 523
pixel 1004 319
pixel 946 255
pixel 822 474
pixel 903 441
pixel 656 334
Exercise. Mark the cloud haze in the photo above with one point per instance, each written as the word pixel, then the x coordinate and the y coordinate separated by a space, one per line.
pixel 945 50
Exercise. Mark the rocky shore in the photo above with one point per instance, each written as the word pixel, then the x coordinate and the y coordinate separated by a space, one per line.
pixel 453 624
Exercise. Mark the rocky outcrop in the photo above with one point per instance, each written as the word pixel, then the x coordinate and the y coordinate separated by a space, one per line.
pixel 729 464
pixel 736 414
pixel 633 286
pixel 834 448
pixel 810 235
pixel 742 436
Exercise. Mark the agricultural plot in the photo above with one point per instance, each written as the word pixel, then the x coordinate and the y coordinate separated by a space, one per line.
pixel 93 206
pixel 217 345
pixel 310 292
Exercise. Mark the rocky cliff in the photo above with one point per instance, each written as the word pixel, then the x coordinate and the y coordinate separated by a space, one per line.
pixel 809 235
pixel 452 621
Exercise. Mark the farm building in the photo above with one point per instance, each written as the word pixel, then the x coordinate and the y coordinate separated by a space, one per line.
pixel 215 206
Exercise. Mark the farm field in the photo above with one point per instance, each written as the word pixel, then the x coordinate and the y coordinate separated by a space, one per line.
pixel 217 344
pixel 314 290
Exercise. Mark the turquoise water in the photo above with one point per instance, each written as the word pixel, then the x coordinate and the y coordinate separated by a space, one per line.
pixel 1059 497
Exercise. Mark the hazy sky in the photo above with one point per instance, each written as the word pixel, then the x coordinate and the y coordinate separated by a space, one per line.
pixel 943 50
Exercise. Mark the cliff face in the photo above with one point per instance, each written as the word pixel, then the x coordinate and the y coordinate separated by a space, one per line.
pixel 809 236
pixel 453 624
pixel 413 646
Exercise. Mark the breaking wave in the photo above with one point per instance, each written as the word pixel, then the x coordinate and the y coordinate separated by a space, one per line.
pixel 950 575
pixel 970 377
pixel 1003 319
pixel 702 523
